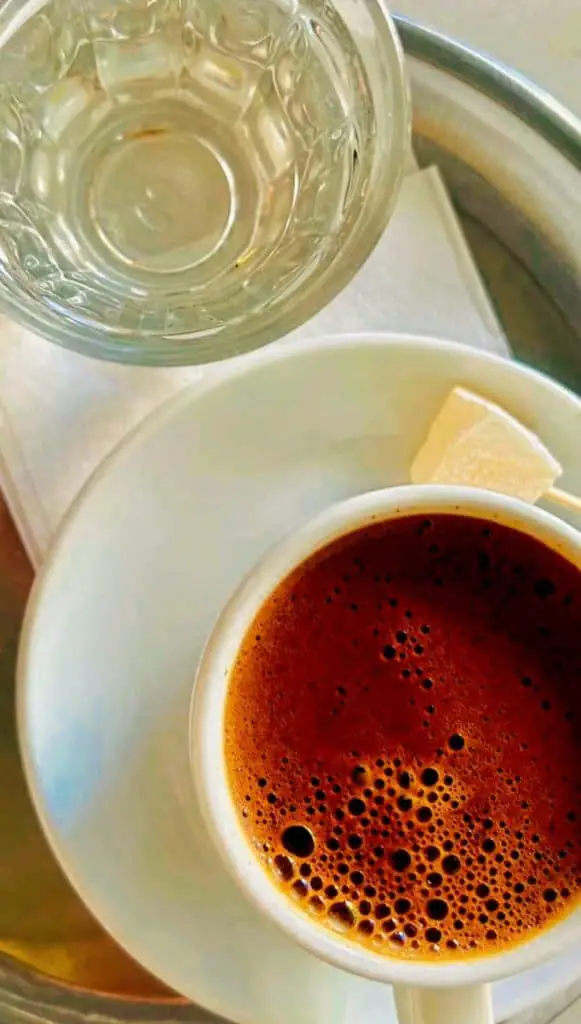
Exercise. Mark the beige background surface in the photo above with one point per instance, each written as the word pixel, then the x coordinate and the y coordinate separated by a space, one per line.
pixel 541 38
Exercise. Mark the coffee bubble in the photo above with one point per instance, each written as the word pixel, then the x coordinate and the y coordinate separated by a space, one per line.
pixel 299 840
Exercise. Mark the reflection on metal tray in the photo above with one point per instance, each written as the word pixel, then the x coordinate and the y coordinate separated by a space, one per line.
pixel 511 158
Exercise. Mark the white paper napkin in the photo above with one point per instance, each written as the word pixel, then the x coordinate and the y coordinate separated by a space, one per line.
pixel 61 413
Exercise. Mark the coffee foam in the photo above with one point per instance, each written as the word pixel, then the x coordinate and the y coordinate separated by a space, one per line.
pixel 388 862
pixel 437 840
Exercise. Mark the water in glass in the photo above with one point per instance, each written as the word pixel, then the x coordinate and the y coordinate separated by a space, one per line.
pixel 158 151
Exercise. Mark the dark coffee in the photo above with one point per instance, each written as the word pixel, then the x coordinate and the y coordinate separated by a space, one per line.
pixel 403 736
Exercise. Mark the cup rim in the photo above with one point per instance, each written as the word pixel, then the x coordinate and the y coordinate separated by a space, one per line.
pixel 207 719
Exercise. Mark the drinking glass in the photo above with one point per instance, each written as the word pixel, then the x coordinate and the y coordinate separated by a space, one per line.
pixel 184 180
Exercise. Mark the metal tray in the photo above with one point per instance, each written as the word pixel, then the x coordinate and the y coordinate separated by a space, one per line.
pixel 511 157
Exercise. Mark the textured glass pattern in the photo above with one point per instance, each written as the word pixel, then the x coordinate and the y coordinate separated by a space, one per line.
pixel 179 168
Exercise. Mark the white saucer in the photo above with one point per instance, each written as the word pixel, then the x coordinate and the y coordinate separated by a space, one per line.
pixel 145 561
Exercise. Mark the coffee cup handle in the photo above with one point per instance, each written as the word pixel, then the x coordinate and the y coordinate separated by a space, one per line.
pixel 468 1004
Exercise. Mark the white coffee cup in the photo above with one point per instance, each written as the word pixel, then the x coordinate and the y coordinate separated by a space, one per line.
pixel 427 992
